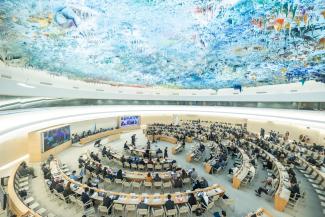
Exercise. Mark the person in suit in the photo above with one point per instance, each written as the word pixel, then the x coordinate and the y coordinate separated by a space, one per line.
pixel 119 174
pixel 166 153
pixel 85 196
pixel 107 202
pixel 59 187
pixel 142 205
pixel 192 200
pixel 169 204
pixel 157 178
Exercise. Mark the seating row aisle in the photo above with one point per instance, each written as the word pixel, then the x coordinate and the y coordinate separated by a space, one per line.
pixel 282 194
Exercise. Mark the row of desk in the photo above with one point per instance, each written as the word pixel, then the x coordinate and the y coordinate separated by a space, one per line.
pixel 171 140
pixel 111 134
pixel 131 198
pixel 137 176
pixel 118 156
pixel 243 171
pixel 282 194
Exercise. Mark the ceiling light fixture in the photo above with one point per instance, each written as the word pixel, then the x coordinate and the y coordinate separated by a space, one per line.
pixel 25 85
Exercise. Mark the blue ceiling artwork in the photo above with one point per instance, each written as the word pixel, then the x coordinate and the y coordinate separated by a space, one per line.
pixel 167 43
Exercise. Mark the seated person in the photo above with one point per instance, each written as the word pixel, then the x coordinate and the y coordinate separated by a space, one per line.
pixel 24 170
pixel 178 182
pixel 157 178
pixel 294 191
pixel 67 190
pixel 75 177
pixel 204 199
pixel 108 202
pixel 119 174
pixel 169 204
pixel 194 175
pixel 126 146
pixel 142 205
pixel 196 185
pixel 149 177
pixel 192 200
pixel 269 185
pixel 204 183
pixel 158 152
pixel 85 198
pixel 59 187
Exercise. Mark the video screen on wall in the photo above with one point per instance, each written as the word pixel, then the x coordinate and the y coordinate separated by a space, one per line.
pixel 127 121
pixel 55 137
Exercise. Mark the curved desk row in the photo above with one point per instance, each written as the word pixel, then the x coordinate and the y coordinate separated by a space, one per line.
pixel 113 135
pixel 242 172
pixel 282 193
pixel 15 204
pixel 130 198
pixel 137 176
pixel 166 163
pixel 171 140
pixel 259 213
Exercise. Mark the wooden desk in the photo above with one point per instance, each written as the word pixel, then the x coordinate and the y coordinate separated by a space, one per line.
pixel 169 139
pixel 242 171
pixel 136 176
pixel 15 204
pixel 107 134
pixel 126 198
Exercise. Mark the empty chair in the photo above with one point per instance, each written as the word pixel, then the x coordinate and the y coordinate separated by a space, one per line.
pixel 41 211
pixel 126 164
pixel 118 181
pixel 134 166
pixel 167 185
pixel 150 167
pixel 157 184
pixel 183 210
pixel 141 167
pixel 130 208
pixel 171 212
pixel 118 208
pixel 158 212
pixel 158 167
pixel 143 212
pixel 147 184
pixel 126 184
pixel 102 211
pixel 137 185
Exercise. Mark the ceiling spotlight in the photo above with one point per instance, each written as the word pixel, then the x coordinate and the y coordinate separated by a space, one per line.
pixel 25 85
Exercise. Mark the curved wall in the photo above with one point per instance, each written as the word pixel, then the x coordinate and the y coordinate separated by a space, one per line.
pixel 16 126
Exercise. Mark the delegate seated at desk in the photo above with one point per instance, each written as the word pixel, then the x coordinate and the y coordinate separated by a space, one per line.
pixel 169 204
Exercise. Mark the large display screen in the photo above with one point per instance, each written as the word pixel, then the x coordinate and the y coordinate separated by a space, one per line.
pixel 55 137
pixel 127 121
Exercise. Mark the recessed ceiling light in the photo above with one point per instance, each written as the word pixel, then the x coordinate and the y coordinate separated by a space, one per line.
pixel 25 85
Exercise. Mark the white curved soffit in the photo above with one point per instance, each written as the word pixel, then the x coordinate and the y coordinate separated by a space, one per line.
pixel 34 119
pixel 28 82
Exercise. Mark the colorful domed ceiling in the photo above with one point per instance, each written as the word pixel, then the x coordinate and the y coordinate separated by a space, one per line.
pixel 171 43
